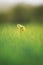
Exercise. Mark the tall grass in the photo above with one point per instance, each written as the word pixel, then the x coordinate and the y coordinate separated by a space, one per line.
pixel 24 48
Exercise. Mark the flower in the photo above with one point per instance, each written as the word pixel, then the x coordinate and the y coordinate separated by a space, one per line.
pixel 21 28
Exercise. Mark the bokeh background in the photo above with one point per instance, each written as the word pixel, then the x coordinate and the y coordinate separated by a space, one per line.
pixel 25 48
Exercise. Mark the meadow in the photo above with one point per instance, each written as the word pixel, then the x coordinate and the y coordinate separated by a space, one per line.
pixel 24 48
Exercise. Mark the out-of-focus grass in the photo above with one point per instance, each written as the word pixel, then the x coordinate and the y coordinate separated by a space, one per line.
pixel 21 49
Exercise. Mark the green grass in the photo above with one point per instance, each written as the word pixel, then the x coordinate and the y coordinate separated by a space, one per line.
pixel 21 49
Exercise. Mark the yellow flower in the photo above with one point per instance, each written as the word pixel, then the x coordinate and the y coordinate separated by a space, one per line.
pixel 21 28
pixel 24 29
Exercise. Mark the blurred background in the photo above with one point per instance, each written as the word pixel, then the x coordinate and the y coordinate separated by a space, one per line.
pixel 25 48
pixel 21 11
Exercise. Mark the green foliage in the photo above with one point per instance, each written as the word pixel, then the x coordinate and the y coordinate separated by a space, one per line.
pixel 24 49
